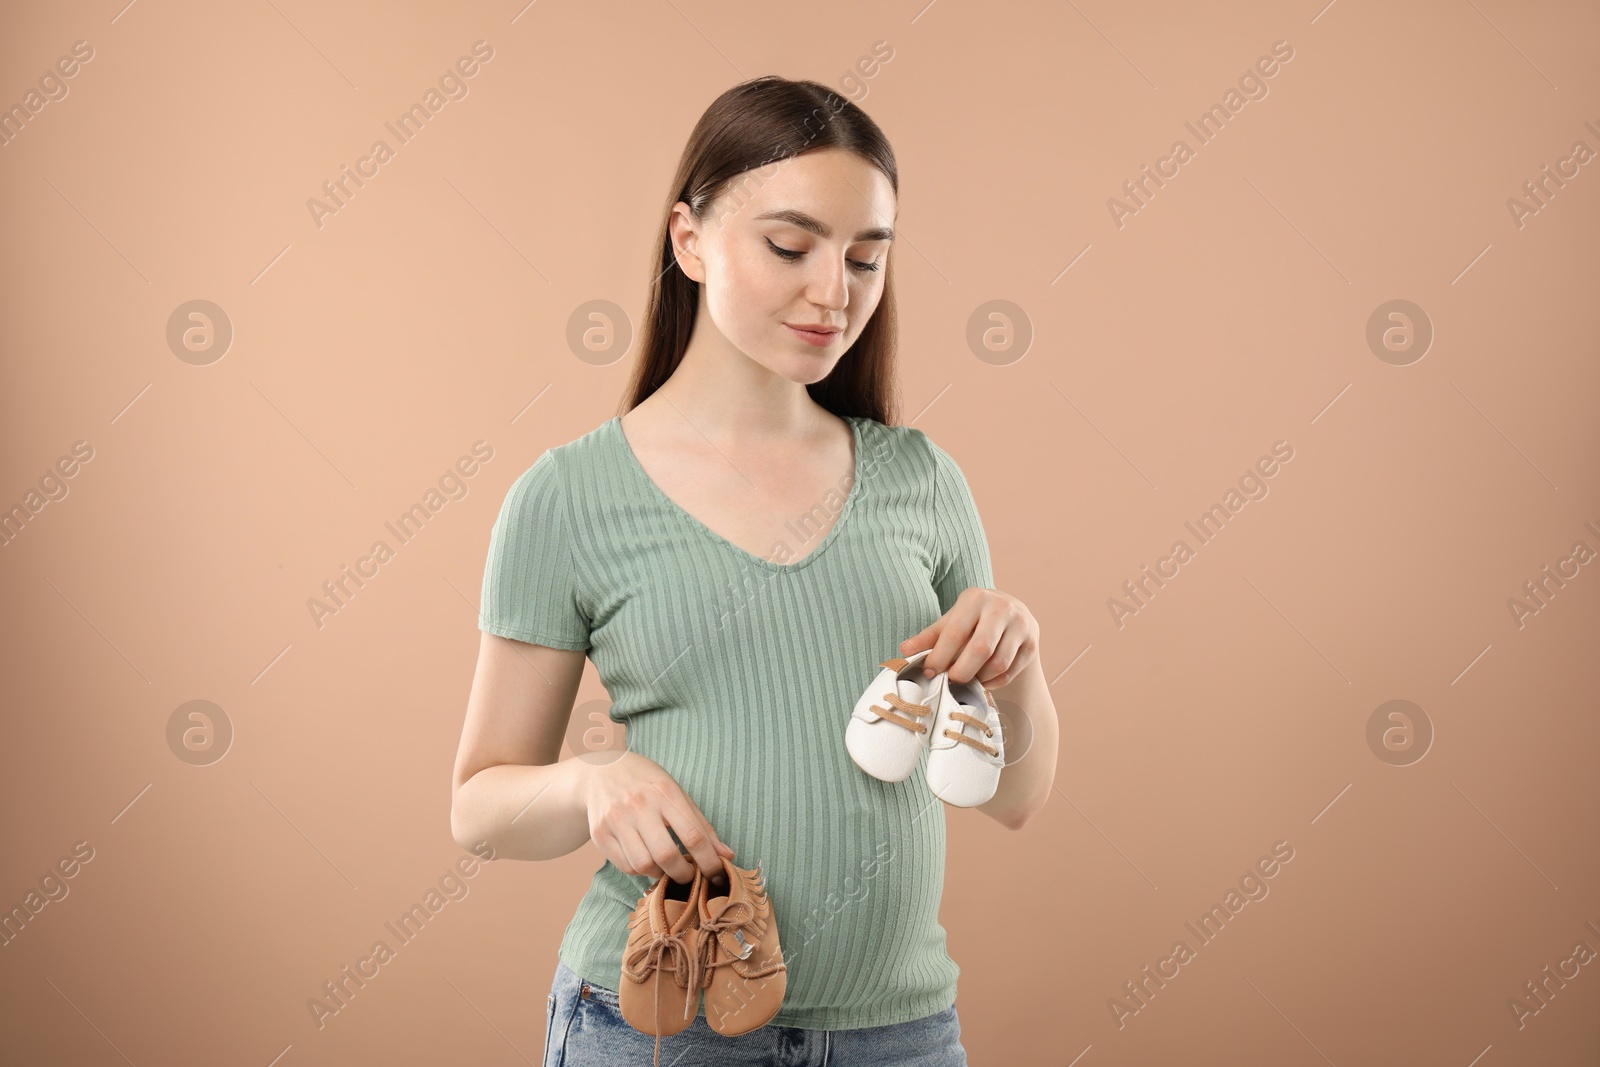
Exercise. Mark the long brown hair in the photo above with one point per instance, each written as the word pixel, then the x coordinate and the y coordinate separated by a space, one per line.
pixel 754 124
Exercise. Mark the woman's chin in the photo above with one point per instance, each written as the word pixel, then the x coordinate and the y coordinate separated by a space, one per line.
pixel 805 371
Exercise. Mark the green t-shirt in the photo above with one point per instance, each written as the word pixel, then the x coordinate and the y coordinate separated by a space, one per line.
pixel 738 674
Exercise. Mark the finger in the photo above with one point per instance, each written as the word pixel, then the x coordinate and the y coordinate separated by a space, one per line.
pixel 987 638
pixel 999 668
pixel 665 851
pixel 924 638
pixel 636 854
pixel 957 630
pixel 717 842
pixel 721 847
pixel 689 823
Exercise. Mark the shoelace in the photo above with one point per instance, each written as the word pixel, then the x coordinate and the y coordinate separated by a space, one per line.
pixel 708 946
pixel 897 701
pixel 960 735
pixel 648 957
pixel 735 917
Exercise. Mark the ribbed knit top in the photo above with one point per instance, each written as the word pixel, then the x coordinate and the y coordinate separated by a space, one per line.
pixel 738 674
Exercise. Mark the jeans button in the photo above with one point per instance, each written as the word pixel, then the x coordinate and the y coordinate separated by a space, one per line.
pixel 585 991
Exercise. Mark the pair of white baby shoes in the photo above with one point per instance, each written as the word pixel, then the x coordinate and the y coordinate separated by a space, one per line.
pixel 901 714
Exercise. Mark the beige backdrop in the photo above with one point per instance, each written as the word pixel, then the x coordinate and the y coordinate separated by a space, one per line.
pixel 1374 275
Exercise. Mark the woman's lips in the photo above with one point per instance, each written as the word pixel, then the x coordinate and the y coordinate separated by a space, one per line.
pixel 812 337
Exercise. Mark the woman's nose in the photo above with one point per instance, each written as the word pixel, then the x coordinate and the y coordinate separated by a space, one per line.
pixel 830 287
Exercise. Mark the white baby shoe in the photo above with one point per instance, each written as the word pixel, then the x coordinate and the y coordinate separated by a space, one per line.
pixel 966 751
pixel 889 727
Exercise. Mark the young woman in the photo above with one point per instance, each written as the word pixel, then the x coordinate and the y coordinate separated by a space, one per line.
pixel 738 552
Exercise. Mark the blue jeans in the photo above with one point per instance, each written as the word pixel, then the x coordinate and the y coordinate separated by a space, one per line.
pixel 586 1029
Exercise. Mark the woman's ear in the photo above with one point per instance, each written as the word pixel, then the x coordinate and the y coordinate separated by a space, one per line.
pixel 684 231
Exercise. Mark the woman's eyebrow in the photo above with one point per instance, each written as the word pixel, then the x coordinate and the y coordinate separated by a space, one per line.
pixel 820 228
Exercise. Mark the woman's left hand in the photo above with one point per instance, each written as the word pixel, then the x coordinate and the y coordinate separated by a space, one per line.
pixel 986 634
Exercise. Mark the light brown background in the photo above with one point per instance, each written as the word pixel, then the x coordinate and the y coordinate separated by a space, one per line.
pixel 431 312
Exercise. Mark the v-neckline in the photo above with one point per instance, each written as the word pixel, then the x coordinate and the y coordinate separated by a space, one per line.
pixel 743 553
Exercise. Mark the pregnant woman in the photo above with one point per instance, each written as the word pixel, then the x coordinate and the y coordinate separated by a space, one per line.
pixel 740 551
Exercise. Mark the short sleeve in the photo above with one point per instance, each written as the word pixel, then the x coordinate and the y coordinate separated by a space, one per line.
pixel 530 580
pixel 962 558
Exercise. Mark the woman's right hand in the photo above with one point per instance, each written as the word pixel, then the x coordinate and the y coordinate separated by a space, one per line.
pixel 632 801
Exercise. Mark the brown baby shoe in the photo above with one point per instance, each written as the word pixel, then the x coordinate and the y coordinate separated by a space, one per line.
pixel 741 962
pixel 661 981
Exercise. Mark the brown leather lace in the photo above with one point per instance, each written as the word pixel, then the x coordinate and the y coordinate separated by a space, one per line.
pixel 649 956
pixel 961 716
pixel 735 917
pixel 708 946
pixel 897 701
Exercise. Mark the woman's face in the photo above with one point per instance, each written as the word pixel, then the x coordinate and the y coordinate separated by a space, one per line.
pixel 765 270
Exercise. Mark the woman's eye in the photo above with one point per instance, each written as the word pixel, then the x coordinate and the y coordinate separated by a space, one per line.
pixel 790 255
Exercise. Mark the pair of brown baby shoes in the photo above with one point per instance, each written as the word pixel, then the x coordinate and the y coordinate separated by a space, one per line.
pixel 722 940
